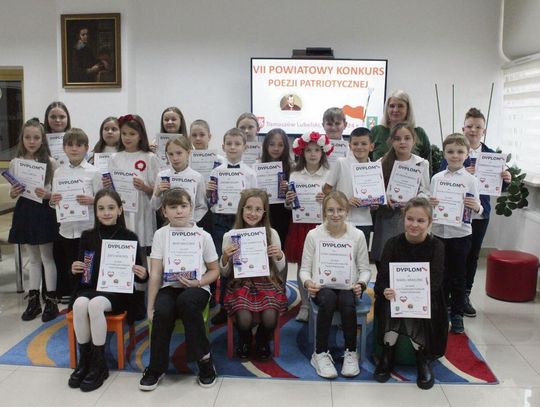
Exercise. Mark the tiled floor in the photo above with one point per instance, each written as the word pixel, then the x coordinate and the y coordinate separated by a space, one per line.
pixel 507 334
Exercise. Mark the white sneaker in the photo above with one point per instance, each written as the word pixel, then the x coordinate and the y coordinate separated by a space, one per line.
pixel 324 365
pixel 350 364
pixel 303 314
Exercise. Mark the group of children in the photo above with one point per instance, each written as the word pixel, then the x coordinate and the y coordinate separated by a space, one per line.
pixel 192 209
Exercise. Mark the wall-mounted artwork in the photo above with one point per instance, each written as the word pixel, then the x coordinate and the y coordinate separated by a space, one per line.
pixel 91 51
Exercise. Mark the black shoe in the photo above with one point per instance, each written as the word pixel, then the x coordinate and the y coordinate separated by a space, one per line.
pixel 150 380
pixel 456 324
pixel 220 317
pixel 64 299
pixel 468 309
pixel 263 351
pixel 83 365
pixel 33 309
pixel 425 378
pixel 98 372
pixel 51 308
pixel 207 373
pixel 385 365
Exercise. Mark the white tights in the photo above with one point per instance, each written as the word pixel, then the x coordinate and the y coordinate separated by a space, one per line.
pixel 41 254
pixel 89 319
pixel 391 337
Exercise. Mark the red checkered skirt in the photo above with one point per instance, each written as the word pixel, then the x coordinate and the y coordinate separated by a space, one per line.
pixel 255 295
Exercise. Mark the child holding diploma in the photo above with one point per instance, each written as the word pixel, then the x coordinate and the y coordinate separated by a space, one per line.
pixel 388 218
pixel 340 178
pixel 224 206
pixel 276 147
pixel 172 121
pixel 428 336
pixel 109 137
pixel 34 223
pixel 312 150
pixel 249 125
pixel 77 172
pixel 173 294
pixel 335 228
pixel 456 238
pixel 263 295
pixel 474 128
pixel 57 119
pixel 89 305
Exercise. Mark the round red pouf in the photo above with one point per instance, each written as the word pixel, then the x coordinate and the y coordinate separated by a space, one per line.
pixel 511 275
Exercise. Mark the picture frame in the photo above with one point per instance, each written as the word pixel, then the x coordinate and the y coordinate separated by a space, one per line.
pixel 91 51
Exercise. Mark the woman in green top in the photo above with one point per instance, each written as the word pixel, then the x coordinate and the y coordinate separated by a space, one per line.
pixel 398 109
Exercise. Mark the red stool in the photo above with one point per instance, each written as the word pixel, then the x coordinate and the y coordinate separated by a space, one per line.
pixel 511 275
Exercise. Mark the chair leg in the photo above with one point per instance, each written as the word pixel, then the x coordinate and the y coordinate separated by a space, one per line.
pixel 132 336
pixel 276 340
pixel 363 338
pixel 72 342
pixel 119 328
pixel 230 337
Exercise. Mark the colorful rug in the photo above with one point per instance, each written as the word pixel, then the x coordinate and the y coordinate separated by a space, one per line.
pixel 48 346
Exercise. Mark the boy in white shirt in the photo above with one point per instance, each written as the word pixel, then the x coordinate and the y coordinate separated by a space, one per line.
pixel 456 239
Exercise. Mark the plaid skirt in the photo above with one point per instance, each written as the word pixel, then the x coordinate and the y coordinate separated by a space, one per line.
pixel 255 295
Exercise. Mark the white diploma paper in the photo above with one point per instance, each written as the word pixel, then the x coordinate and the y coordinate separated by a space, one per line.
pixel 334 263
pixel 411 282
pixel 123 184
pixel 253 152
pixel 368 183
pixel 161 142
pixel 116 266
pixel 341 149
pixel 310 210
pixel 267 179
pixel 488 169
pixel 404 182
pixel 68 209
pixel 56 146
pixel 253 253
pixel 203 161
pixel 101 161
pixel 184 255
pixel 31 174
pixel 231 182
pixel 450 194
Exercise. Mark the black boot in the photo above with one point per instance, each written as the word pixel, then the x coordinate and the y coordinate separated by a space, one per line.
pixel 33 308
pixel 244 344
pixel 262 349
pixel 51 308
pixel 83 365
pixel 385 365
pixel 98 370
pixel 425 378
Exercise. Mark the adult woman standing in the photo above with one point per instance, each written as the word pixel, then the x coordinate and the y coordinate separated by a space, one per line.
pixel 398 109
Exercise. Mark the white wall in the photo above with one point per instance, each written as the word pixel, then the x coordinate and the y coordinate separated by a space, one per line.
pixel 195 54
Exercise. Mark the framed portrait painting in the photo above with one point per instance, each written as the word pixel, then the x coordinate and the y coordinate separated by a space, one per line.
pixel 91 51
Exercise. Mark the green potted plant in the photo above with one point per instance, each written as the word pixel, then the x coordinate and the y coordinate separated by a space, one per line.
pixel 516 194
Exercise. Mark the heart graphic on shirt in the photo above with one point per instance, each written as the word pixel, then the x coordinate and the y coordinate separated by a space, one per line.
pixel 177 261
pixel 482 179
pixel 327 272
pixel 66 206
pixel 110 273
pixel 403 298
pixel 396 190
pixel 363 190
pixel 440 208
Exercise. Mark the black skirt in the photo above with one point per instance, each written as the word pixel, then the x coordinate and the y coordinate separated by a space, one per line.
pixel 33 223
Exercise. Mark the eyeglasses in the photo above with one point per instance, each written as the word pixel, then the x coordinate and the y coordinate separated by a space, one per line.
pixel 251 209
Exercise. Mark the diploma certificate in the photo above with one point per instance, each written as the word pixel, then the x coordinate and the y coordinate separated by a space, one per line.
pixel 267 179
pixel 161 142
pixel 310 210
pixel 31 174
pixel 184 255
pixel 56 146
pixel 334 263
pixel 187 183
pixel 123 184
pixel 68 209
pixel 368 183
pixel 449 210
pixel 411 282
pixel 116 266
pixel 253 253
pixel 252 153
pixel 203 161
pixel 231 182
pixel 341 149
pixel 101 161
pixel 404 182
pixel 488 169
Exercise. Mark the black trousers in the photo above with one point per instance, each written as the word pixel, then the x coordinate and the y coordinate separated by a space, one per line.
pixel 172 303
pixel 456 251
pixel 65 252
pixel 329 301
pixel 479 228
